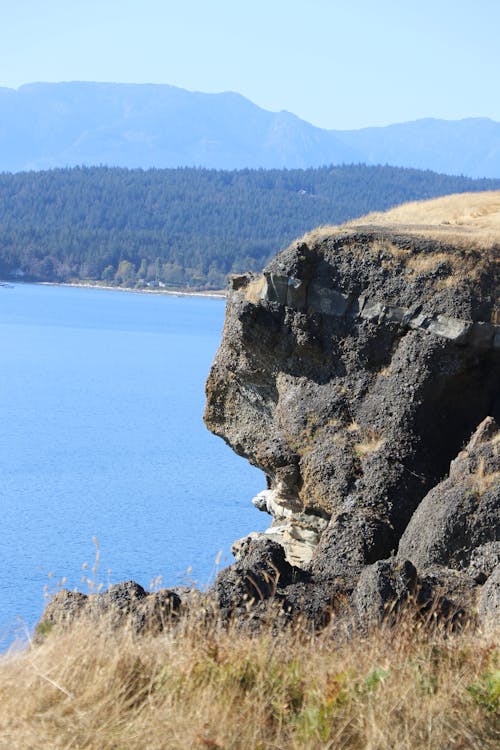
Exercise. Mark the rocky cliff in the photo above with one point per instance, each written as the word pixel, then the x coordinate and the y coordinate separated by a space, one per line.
pixel 361 373
pixel 353 372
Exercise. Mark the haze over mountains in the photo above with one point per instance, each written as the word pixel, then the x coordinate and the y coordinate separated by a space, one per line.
pixel 46 125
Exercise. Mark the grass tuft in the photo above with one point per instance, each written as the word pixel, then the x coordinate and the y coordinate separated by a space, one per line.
pixel 372 442
pixel 482 479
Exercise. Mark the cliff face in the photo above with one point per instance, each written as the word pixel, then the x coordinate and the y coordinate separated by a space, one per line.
pixel 352 372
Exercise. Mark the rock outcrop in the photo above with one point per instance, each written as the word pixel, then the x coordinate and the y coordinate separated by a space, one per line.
pixel 457 524
pixel 125 603
pixel 361 373
pixel 352 372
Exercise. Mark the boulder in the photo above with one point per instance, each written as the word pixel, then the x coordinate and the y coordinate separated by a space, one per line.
pixel 446 596
pixel 125 603
pixel 62 610
pixel 489 601
pixel 258 575
pixel 128 603
pixel 483 561
pixel 382 588
pixel 462 513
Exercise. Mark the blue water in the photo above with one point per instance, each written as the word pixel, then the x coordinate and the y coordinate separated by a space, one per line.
pixel 101 436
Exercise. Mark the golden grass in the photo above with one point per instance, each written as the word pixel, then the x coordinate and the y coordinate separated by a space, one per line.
pixel 463 219
pixel 373 442
pixel 477 212
pixel 210 687
pixel 384 372
pixel 426 263
pixel 482 479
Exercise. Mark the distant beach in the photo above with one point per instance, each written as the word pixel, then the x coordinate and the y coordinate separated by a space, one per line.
pixel 214 294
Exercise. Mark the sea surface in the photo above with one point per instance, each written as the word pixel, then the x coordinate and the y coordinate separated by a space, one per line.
pixel 107 472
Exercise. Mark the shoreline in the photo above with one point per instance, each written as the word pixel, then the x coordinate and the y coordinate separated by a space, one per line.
pixel 209 294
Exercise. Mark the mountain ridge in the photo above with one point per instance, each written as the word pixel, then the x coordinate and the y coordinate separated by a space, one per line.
pixel 48 125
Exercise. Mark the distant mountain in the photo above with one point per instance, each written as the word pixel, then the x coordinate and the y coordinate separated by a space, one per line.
pixel 46 125
pixel 470 147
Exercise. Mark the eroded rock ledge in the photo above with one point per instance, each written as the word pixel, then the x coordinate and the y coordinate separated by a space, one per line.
pixel 317 299
pixel 352 372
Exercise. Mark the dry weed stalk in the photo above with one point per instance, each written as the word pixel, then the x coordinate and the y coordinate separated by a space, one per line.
pixel 373 442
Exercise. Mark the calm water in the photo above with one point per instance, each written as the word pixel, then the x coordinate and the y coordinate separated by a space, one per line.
pixel 101 435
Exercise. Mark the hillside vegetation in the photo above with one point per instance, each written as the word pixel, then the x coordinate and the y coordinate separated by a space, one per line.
pixel 185 227
pixel 203 686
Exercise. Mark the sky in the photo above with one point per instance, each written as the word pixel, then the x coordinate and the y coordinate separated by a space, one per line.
pixel 338 64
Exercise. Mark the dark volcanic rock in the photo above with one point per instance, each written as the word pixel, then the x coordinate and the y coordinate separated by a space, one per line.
pixel 352 372
pixel 120 599
pixel 447 595
pixel 63 608
pixel 263 578
pixel 489 600
pixel 462 513
pixel 262 570
pixel 483 561
pixel 437 594
pixel 125 603
pixel 382 588
pixel 128 602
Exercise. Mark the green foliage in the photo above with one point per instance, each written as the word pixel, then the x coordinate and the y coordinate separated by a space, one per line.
pixel 374 678
pixel 186 226
pixel 486 692
pixel 427 672
pixel 316 720
pixel 44 628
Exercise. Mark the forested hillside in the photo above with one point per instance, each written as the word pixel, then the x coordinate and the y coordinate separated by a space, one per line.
pixel 185 227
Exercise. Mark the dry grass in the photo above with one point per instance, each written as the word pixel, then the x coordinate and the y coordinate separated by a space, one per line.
pixel 384 372
pixel 484 480
pixel 199 687
pixel 465 220
pixel 427 263
pixel 454 214
pixel 373 442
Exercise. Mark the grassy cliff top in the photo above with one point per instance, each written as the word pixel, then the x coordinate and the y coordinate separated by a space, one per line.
pixel 466 219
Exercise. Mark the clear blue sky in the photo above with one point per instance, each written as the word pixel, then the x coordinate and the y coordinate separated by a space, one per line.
pixel 337 64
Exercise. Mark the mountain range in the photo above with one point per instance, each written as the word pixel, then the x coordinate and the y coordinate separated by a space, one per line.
pixel 47 125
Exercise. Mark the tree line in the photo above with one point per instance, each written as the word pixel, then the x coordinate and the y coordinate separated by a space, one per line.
pixel 185 227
